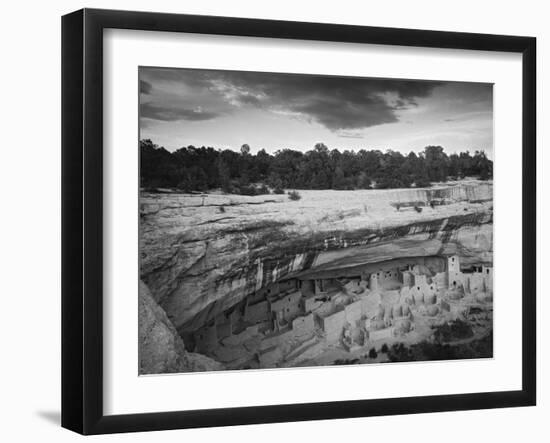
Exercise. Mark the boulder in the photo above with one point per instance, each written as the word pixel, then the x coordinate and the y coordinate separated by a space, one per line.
pixel 161 349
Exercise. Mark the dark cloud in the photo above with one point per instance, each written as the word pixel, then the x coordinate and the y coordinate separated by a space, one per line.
pixel 338 103
pixel 336 115
pixel 145 87
pixel 335 102
pixel 163 113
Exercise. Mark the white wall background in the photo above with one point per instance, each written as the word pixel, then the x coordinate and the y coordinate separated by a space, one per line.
pixel 30 218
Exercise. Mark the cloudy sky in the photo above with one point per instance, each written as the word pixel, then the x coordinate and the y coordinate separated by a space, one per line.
pixel 225 109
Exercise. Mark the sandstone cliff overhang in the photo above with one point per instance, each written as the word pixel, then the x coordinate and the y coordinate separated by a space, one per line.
pixel 199 259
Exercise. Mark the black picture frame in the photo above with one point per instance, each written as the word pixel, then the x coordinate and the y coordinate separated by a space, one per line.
pixel 82 220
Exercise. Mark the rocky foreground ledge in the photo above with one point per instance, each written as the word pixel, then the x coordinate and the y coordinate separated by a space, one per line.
pixel 161 349
pixel 203 253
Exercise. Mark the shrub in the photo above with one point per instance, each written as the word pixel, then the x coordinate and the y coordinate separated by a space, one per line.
pixel 418 209
pixel 278 190
pixel 247 190
pixel 384 349
pixel 262 190
pixel 373 353
pixel 422 182
pixel 222 208
pixel 456 330
pixel 294 195
pixel 398 352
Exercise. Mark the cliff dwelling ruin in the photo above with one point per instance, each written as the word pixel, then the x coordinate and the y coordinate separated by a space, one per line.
pixel 323 316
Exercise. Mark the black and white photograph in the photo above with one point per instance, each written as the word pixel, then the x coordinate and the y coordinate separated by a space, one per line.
pixel 296 220
pixel 255 222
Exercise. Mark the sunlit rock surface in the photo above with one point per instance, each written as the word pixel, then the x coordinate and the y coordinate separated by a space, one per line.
pixel 161 350
pixel 201 254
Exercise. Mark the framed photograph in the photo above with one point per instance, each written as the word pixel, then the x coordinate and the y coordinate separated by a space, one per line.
pixel 269 221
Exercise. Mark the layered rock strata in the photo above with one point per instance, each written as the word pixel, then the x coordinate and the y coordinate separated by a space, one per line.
pixel 202 254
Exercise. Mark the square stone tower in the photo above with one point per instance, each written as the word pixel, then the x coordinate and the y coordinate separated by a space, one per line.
pixel 374 281
pixel 453 271
pixel 453 264
pixel 488 276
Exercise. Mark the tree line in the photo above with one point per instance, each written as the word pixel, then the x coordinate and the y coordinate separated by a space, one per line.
pixel 205 168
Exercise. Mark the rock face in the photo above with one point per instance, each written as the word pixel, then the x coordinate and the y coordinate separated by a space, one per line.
pixel 161 350
pixel 201 254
